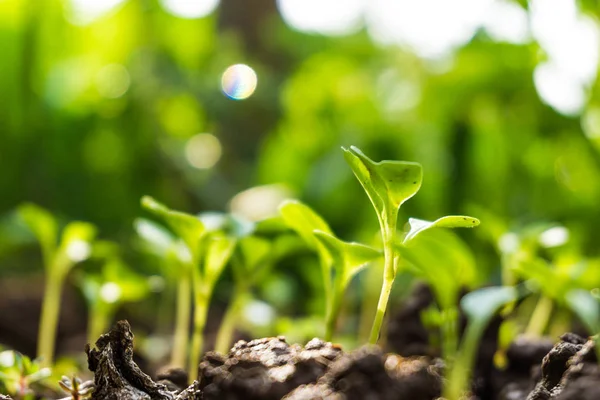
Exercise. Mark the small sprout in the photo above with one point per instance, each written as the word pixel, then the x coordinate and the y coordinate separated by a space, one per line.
pixel 59 258
pixel 209 254
pixel 479 306
pixel 18 373
pixel 389 184
pixel 77 389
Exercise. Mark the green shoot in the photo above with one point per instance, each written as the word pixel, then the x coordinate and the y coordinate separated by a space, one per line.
pixel 586 306
pixel 389 184
pixel 76 389
pixel 174 254
pixel 18 373
pixel 479 307
pixel 339 260
pixel 59 259
pixel 208 255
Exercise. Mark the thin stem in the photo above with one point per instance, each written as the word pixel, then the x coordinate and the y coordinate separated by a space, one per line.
pixel 460 372
pixel 182 321
pixel 333 310
pixel 49 317
pixel 372 280
pixel 389 270
pixel 98 319
pixel 201 297
pixel 449 330
pixel 540 317
pixel 228 325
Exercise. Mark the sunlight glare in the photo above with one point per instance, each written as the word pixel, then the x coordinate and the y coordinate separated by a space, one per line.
pixel 203 151
pixel 110 292
pixel 559 89
pixel 327 17
pixel 190 9
pixel 506 21
pixel 239 81
pixel 84 12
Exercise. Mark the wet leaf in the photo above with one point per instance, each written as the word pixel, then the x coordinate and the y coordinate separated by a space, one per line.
pixel 418 226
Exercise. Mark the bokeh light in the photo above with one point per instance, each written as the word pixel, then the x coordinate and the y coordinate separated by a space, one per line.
pixel 203 151
pixel 329 17
pixel 83 12
pixel 239 81
pixel 507 21
pixel 190 9
pixel 110 292
pixel 113 81
pixel 259 202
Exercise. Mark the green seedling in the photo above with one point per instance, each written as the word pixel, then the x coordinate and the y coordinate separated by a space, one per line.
pixel 479 306
pixel 76 389
pixel 106 291
pixel 587 307
pixel 389 184
pixel 18 373
pixel 448 266
pixel 59 258
pixel 339 260
pixel 208 255
pixel 176 265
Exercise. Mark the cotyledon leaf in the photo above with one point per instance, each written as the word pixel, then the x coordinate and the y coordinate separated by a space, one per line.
pixel 418 226
pixel 387 183
pixel 303 220
pixel 218 252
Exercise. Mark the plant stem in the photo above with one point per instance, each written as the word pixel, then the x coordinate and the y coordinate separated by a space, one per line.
pixel 182 321
pixel 225 334
pixel 49 317
pixel 460 371
pixel 388 233
pixel 333 310
pixel 98 321
pixel 540 317
pixel 372 280
pixel 201 299
pixel 449 330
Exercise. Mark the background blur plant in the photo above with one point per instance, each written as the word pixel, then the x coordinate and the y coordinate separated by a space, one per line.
pixel 18 374
pixel 209 253
pixel 59 257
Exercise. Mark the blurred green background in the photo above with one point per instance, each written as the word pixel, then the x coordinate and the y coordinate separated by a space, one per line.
pixel 103 101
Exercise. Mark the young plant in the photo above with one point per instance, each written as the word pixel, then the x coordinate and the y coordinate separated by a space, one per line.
pixel 479 307
pixel 176 266
pixel 76 389
pixel 339 260
pixel 208 255
pixel 18 373
pixel 389 184
pixel 59 259
pixel 106 291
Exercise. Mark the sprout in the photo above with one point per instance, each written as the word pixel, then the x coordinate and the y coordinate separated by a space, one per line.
pixel 339 260
pixel 389 184
pixel 77 389
pixel 18 373
pixel 209 253
pixel 59 258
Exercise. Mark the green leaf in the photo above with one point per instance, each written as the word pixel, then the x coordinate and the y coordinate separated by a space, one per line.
pixel 158 238
pixel 481 305
pixel 44 227
pixel 218 251
pixel 586 307
pixel 76 243
pixel 418 226
pixel 302 219
pixel 350 257
pixel 188 227
pixel 387 183
pixel 254 251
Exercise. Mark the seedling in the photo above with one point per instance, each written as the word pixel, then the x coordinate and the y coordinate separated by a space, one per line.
pixel 175 256
pixel 59 259
pixel 76 389
pixel 389 184
pixel 479 307
pixel 587 307
pixel 105 292
pixel 208 255
pixel 18 373
pixel 339 260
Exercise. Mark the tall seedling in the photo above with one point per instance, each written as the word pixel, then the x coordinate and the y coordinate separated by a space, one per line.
pixel 208 255
pixel 59 258
pixel 389 184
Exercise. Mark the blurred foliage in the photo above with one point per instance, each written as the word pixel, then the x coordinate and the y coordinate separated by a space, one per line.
pixel 93 116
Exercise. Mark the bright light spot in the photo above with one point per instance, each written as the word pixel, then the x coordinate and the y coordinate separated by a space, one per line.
pixel 554 237
pixel 239 81
pixel 509 243
pixel 259 202
pixel 83 12
pixel 213 220
pixel 190 8
pixel 397 94
pixel 259 313
pixel 203 151
pixel 182 252
pixel 572 42
pixel 590 122
pixel 156 283
pixel 507 22
pixel 432 28
pixel 329 17
pixel 558 89
pixel 78 250
pixel 7 358
pixel 112 81
pixel 110 292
